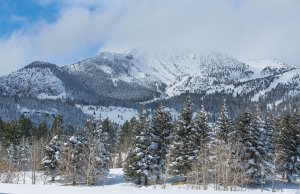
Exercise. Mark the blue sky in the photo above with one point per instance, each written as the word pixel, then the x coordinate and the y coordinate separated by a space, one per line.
pixel 15 14
pixel 65 31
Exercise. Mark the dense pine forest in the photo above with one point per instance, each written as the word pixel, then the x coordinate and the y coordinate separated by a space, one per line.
pixel 249 151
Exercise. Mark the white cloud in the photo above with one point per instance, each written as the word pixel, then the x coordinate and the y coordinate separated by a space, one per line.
pixel 242 28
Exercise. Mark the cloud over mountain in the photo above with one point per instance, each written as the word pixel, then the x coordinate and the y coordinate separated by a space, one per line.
pixel 246 29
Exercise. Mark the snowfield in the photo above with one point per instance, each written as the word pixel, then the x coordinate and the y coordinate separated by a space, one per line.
pixel 114 184
pixel 117 114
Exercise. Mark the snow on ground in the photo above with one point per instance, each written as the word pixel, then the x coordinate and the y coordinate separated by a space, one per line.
pixel 117 114
pixel 28 111
pixel 43 95
pixel 258 65
pixel 115 185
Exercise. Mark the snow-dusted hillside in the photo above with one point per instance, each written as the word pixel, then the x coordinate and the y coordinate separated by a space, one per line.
pixel 33 81
pixel 174 73
pixel 164 74
pixel 117 114
pixel 114 80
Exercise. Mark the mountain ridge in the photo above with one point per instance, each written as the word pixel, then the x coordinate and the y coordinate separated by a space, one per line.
pixel 126 79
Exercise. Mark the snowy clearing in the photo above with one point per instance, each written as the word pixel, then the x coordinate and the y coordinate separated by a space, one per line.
pixel 115 185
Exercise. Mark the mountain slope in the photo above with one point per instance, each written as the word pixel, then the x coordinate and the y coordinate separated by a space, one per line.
pixel 124 79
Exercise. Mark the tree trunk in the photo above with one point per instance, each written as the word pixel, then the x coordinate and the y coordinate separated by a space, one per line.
pixel 139 180
pixel 157 179
pixel 146 180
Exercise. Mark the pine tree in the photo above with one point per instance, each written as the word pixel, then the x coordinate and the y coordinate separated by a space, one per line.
pixel 95 153
pixel 270 133
pixel 160 132
pixel 108 128
pixel 126 135
pixel 272 126
pixel 72 159
pixel 26 126
pixel 288 144
pixel 41 131
pixel 260 143
pixel 253 158
pixel 203 130
pixel 51 159
pixel 183 150
pixel 223 127
pixel 56 128
pixel 138 162
pixel 2 125
pixel 111 143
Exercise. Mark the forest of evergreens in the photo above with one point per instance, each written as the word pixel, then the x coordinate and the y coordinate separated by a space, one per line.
pixel 250 150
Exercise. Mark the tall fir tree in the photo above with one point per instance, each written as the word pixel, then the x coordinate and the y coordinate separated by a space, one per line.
pixel 138 161
pixel 41 131
pixel 223 126
pixel 260 139
pixel 183 149
pixel 56 128
pixel 95 152
pixel 288 144
pixel 111 143
pixel 126 135
pixel 160 130
pixel 26 126
pixel 203 129
pixel 72 159
pixel 111 131
pixel 253 156
pixel 52 155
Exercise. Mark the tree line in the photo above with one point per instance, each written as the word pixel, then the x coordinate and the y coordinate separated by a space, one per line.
pixel 249 151
pixel 76 157
pixel 252 149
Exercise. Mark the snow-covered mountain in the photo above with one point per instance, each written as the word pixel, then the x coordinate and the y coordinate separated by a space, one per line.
pixel 123 79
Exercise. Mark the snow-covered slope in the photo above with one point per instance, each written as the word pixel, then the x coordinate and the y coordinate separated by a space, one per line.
pixel 124 79
pixel 175 73
pixel 144 74
pixel 117 114
pixel 34 81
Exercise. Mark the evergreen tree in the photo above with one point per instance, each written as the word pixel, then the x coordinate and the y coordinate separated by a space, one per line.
pixel 1 129
pixel 250 134
pixel 26 126
pixel 160 132
pixel 72 159
pixel 11 134
pixel 95 153
pixel 183 150
pixel 51 159
pixel 203 130
pixel 270 133
pixel 56 128
pixel 111 144
pixel 288 144
pixel 126 135
pixel 41 131
pixel 260 140
pixel 223 127
pixel 138 162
